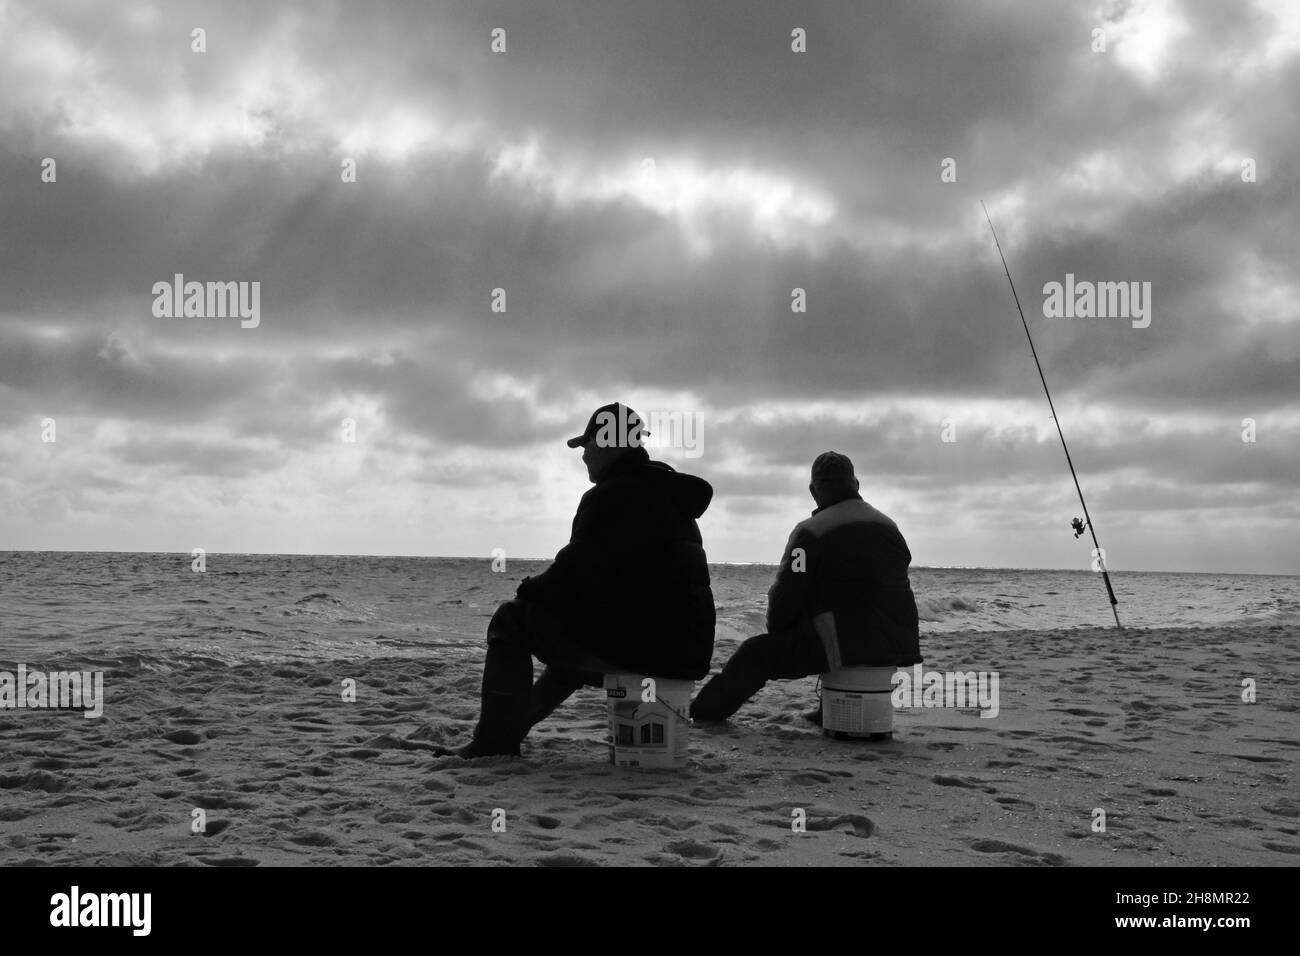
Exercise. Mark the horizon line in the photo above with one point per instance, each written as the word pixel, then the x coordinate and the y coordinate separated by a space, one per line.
pixel 488 557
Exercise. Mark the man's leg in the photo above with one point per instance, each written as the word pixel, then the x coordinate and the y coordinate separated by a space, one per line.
pixel 510 702
pixel 551 690
pixel 784 655
pixel 507 684
pixel 569 666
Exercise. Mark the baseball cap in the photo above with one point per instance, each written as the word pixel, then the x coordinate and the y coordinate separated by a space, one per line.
pixel 832 466
pixel 612 425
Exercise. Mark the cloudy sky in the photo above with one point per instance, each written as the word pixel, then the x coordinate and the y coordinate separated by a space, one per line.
pixel 648 182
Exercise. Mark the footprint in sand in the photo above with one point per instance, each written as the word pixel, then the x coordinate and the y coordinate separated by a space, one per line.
pixel 857 823
pixel 1014 802
pixel 808 777
pixel 215 827
pixel 222 802
pixel 1033 856
pixel 717 792
pixel 947 781
pixel 36 780
pixel 694 850
pixel 668 825
pixel 564 859
pixel 51 763
pixel 313 838
pixel 229 861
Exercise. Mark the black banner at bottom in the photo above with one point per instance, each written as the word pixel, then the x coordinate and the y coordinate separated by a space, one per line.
pixel 214 906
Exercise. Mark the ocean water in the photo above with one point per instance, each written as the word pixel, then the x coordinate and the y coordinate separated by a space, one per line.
pixel 153 611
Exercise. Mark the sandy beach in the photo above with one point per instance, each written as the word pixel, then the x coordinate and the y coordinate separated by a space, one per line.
pixel 1147 725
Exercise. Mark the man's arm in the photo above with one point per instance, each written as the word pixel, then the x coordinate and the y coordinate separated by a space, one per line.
pixel 577 573
pixel 789 596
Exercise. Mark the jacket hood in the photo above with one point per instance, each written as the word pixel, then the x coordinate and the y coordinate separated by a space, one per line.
pixel 690 495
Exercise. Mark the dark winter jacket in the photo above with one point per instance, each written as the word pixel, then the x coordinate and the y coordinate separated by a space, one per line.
pixel 854 565
pixel 632 584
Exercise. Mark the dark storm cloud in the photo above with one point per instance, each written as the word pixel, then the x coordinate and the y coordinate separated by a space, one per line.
pixel 432 400
pixel 422 242
pixel 88 371
pixel 258 396
pixel 872 326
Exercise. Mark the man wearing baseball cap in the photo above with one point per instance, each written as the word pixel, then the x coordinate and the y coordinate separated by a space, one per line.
pixel 841 598
pixel 630 591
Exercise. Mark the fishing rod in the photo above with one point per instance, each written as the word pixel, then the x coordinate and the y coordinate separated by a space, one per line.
pixel 1076 524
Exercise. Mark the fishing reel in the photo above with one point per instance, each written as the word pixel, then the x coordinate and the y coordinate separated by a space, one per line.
pixel 1079 527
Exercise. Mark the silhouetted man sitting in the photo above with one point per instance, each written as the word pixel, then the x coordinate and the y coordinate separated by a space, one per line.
pixel 841 598
pixel 629 593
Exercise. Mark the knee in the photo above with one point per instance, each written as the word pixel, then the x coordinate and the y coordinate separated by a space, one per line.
pixel 759 655
pixel 750 650
pixel 504 625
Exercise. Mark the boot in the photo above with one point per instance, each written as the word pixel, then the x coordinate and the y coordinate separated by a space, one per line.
pixel 499 731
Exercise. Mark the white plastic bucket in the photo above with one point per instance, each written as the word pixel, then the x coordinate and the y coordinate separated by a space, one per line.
pixel 649 723
pixel 858 702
